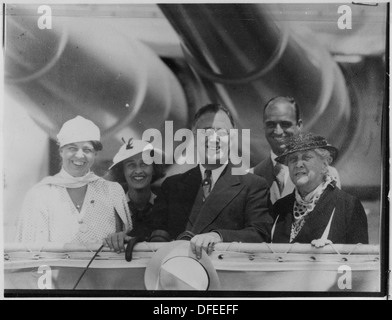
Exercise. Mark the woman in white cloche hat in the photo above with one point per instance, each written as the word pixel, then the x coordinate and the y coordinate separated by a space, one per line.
pixel 74 205
pixel 136 176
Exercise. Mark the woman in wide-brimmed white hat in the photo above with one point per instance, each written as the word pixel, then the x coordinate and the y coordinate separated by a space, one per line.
pixel 136 176
pixel 74 205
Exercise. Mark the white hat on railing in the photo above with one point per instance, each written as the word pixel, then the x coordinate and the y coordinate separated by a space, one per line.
pixel 174 267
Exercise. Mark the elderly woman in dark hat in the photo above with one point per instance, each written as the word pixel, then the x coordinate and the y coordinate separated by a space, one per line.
pixel 317 212
pixel 130 169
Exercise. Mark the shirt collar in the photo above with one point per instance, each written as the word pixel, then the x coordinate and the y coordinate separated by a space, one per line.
pixel 285 168
pixel 216 173
pixel 273 158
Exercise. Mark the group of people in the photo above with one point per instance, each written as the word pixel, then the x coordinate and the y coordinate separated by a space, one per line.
pixel 293 196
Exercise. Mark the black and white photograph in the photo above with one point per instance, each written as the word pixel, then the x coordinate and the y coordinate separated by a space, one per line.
pixel 195 149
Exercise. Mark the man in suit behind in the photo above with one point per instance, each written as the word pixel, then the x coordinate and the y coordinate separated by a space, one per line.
pixel 208 203
pixel 281 121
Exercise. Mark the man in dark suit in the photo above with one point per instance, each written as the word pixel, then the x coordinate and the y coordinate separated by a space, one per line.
pixel 281 121
pixel 208 204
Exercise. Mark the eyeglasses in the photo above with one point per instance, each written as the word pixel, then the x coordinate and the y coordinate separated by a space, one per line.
pixel 219 132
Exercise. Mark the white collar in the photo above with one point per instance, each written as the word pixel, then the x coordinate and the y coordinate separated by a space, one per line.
pixel 285 168
pixel 216 173
pixel 316 192
pixel 273 158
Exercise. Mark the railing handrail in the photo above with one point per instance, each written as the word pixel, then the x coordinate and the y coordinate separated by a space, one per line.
pixel 255 248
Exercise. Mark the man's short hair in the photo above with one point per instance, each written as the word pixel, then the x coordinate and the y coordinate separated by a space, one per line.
pixel 212 108
pixel 289 100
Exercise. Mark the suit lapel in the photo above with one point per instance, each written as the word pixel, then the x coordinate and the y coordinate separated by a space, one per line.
pixel 190 184
pixel 318 219
pixel 266 170
pixel 187 191
pixel 285 220
pixel 225 191
pixel 288 188
pixel 274 194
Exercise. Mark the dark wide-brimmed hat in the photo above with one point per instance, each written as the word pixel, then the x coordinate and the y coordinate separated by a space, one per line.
pixel 304 142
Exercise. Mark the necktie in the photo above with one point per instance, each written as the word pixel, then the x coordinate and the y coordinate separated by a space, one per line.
pixel 279 176
pixel 207 184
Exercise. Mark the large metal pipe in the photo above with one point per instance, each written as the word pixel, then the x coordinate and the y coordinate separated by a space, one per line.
pixel 243 54
pixel 250 55
pixel 85 66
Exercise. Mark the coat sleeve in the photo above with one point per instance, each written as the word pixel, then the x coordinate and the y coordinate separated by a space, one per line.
pixel 33 225
pixel 117 195
pixel 357 230
pixel 257 219
pixel 160 210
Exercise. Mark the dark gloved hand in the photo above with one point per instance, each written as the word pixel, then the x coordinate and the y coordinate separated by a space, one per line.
pixel 138 235
pixel 131 244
